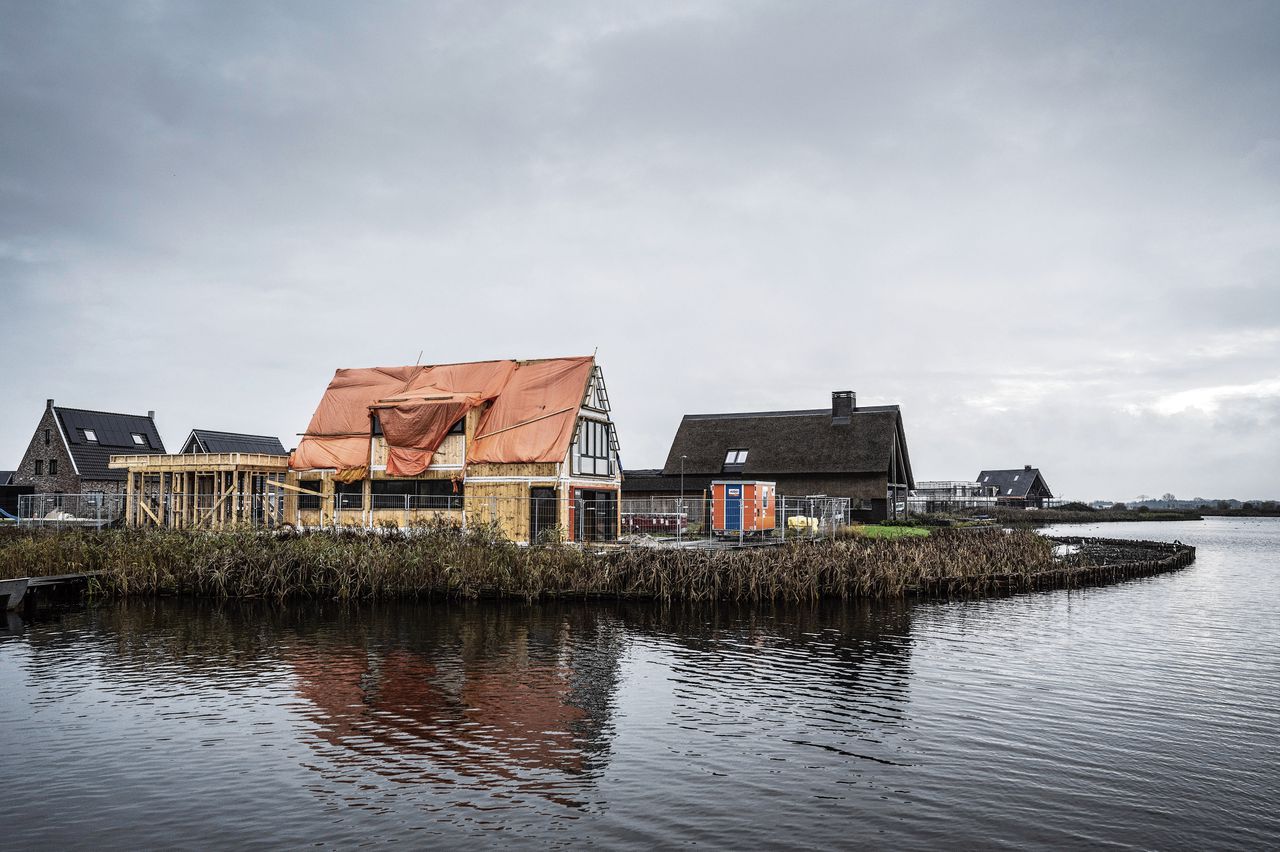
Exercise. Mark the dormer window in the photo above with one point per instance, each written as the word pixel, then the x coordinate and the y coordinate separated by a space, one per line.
pixel 90 435
pixel 140 439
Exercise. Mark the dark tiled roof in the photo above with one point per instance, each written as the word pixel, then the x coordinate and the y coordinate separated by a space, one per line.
pixel 210 441
pixel 114 433
pixel 653 479
pixel 5 476
pixel 790 442
pixel 1014 483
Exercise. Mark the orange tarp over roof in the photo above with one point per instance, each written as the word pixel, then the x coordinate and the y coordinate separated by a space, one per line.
pixel 532 417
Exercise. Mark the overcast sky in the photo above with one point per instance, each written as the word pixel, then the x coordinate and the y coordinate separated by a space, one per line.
pixel 1051 233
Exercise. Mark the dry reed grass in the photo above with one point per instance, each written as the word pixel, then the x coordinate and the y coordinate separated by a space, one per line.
pixel 441 561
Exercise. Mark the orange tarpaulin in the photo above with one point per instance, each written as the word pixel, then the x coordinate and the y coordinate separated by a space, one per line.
pixel 531 419
pixel 415 429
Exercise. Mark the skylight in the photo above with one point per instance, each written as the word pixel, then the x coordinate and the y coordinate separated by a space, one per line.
pixel 139 439
pixel 90 435
pixel 735 457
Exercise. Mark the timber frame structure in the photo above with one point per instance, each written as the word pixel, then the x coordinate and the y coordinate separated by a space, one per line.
pixel 202 490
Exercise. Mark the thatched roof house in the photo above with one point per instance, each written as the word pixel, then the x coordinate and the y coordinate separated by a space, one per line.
pixel 843 451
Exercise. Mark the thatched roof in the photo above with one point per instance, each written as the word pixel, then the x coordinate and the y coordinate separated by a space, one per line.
pixel 791 442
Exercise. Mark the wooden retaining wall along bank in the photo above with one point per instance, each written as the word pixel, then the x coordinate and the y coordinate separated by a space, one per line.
pixel 1121 559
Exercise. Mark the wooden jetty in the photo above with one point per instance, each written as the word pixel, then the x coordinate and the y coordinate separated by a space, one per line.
pixel 25 593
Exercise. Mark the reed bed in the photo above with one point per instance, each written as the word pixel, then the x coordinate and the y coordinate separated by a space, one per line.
pixel 441 561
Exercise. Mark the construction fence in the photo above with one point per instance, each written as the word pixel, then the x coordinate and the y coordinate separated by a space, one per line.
pixel 594 517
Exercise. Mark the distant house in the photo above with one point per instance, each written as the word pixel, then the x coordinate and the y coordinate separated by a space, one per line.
pixel 209 441
pixel 843 451
pixel 1025 487
pixel 71 447
pixel 9 494
pixel 949 495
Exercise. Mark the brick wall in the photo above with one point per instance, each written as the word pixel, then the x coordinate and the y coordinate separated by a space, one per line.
pixel 65 481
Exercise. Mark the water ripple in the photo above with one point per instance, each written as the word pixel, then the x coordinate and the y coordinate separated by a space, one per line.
pixel 1141 715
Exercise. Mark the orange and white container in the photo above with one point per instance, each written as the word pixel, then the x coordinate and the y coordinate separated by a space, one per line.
pixel 743 507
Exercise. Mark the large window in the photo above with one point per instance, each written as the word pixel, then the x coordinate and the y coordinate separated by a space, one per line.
pixel 592 453
pixel 309 502
pixel 348 495
pixel 416 494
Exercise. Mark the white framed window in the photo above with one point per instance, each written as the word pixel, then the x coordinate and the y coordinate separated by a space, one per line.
pixel 90 435
pixel 735 457
pixel 140 439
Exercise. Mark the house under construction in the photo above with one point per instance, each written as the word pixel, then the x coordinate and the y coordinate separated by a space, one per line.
pixel 526 445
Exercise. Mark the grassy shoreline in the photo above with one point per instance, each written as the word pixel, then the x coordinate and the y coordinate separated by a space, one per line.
pixel 441 562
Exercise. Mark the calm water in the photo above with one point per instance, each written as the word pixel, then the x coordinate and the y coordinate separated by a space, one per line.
pixel 1139 715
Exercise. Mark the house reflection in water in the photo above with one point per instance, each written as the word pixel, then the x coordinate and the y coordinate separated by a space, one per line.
pixel 505 698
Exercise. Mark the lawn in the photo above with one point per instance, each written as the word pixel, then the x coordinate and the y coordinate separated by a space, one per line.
pixel 880 531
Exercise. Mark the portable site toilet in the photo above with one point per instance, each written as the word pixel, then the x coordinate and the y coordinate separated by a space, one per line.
pixel 743 507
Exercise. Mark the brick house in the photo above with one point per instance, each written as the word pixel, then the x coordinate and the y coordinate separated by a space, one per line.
pixel 69 451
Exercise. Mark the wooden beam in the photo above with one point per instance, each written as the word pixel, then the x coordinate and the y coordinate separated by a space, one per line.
pixel 128 500
pixel 300 490
pixel 160 492
pixel 142 504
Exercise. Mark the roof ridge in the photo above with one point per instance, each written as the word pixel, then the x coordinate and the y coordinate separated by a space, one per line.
pixel 516 361
pixel 798 412
pixel 98 411
pixel 236 434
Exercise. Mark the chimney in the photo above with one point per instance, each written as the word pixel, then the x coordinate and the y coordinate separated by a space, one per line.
pixel 48 403
pixel 1026 467
pixel 843 404
pixel 151 415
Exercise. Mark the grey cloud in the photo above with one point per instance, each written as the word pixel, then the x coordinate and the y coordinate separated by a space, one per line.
pixel 745 205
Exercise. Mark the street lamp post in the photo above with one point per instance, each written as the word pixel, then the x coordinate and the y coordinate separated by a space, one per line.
pixel 680 508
